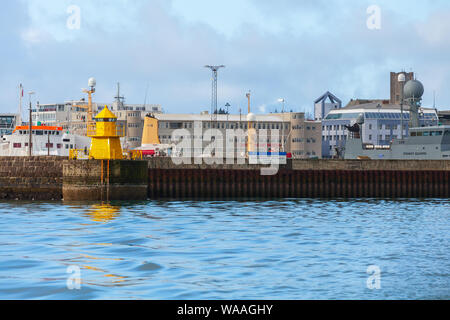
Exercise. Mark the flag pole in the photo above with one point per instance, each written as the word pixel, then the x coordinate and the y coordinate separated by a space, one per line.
pixel 19 119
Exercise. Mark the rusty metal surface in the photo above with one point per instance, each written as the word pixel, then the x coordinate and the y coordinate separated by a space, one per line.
pixel 210 183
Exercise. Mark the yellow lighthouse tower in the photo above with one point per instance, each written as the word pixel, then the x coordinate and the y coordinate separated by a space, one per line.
pixel 105 137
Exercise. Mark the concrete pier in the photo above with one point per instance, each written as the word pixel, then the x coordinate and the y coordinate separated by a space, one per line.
pixel 303 179
pixel 55 178
pixel 105 180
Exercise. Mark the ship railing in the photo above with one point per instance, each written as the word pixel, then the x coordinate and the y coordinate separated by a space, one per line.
pixel 92 130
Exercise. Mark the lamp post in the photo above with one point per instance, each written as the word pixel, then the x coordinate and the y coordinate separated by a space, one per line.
pixel 282 100
pixel 228 105
pixel 402 80
pixel 30 128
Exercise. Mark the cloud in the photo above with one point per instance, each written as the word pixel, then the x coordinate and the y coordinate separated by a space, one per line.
pixel 297 50
pixel 33 36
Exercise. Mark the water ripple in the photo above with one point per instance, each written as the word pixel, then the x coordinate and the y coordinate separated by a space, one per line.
pixel 280 249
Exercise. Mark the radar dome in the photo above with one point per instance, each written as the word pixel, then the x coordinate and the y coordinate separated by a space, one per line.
pixel 360 119
pixel 413 89
pixel 251 117
pixel 92 82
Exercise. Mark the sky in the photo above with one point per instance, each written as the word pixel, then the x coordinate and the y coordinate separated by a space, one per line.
pixel 290 49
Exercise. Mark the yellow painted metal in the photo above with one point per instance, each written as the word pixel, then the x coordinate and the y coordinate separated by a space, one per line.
pixel 88 107
pixel 132 154
pixel 252 138
pixel 78 154
pixel 105 137
pixel 150 132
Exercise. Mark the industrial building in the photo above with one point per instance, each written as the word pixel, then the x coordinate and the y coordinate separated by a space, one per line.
pixel 296 135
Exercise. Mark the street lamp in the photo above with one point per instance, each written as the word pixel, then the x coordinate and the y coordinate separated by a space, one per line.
pixel 30 125
pixel 402 80
pixel 282 100
pixel 228 105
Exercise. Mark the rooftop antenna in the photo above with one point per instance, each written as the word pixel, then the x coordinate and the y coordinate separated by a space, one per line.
pixel 434 99
pixel 19 120
pixel 30 127
pixel 146 93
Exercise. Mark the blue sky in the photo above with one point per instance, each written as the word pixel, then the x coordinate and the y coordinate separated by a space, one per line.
pixel 288 49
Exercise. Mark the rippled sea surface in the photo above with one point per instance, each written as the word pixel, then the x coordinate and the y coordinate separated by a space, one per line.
pixel 288 249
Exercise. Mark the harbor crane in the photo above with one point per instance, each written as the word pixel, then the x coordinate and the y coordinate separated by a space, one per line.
pixel 90 123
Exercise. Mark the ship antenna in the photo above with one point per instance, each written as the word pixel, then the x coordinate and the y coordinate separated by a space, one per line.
pixel 145 98
pixel 434 99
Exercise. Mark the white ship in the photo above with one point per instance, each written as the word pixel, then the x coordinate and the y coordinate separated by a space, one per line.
pixel 46 140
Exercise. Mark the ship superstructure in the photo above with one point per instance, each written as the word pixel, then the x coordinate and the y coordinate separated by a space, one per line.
pixel 423 143
pixel 46 140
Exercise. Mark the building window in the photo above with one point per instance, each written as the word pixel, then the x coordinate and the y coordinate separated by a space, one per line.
pixel 17 145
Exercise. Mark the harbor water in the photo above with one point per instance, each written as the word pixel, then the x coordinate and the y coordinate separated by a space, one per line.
pixel 253 249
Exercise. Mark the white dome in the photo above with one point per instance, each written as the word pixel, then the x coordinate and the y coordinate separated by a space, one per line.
pixel 360 119
pixel 251 117
pixel 92 82
pixel 401 77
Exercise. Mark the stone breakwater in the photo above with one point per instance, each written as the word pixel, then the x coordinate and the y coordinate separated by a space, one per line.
pixel 56 178
pixel 31 178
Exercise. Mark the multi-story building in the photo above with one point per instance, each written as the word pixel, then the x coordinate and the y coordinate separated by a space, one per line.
pixel 51 114
pixel 290 132
pixel 8 121
pixel 382 123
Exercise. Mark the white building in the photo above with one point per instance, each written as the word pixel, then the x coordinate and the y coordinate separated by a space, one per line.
pixel 288 132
